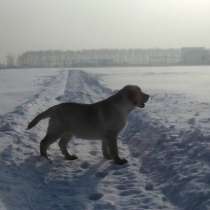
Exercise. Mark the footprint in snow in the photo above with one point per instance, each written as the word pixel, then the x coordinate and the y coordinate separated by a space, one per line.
pixel 101 174
pixel 117 173
pixel 95 196
pixel 125 187
pixel 149 187
pixel 130 192
pixel 85 165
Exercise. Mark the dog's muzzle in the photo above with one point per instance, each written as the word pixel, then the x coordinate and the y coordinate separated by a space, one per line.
pixel 146 98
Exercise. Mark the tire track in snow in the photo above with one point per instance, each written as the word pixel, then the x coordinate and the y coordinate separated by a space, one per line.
pixel 120 187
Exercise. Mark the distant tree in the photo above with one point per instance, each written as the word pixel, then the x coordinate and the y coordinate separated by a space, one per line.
pixel 10 61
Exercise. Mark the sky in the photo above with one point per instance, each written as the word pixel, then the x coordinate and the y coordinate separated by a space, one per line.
pixel 93 24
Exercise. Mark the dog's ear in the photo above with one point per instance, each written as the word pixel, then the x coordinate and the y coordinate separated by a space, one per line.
pixel 132 96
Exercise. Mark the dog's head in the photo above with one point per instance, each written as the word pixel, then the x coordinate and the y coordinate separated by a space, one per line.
pixel 135 95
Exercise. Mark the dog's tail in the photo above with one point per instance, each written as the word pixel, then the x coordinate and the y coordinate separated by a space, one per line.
pixel 40 116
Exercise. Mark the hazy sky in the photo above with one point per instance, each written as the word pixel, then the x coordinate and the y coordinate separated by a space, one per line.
pixel 82 24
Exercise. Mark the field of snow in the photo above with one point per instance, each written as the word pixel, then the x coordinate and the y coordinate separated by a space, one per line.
pixel 167 143
pixel 17 87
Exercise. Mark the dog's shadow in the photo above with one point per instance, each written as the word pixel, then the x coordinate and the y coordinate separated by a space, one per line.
pixel 37 183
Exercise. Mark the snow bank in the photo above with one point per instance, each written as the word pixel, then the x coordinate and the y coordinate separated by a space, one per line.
pixel 174 151
pixel 21 183
pixel 17 86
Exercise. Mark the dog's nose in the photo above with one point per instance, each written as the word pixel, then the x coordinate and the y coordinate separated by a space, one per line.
pixel 146 97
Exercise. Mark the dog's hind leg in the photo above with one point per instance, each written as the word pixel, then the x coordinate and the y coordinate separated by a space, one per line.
pixel 53 133
pixel 63 143
pixel 46 142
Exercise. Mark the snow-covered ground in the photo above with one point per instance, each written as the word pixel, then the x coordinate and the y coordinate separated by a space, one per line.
pixel 16 86
pixel 167 143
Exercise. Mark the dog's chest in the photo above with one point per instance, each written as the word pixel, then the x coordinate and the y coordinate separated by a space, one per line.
pixel 115 120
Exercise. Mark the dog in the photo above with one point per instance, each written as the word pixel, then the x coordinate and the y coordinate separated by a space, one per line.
pixel 101 120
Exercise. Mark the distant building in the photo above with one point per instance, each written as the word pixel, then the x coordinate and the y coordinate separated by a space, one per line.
pixel 195 56
pixel 101 57
pixel 114 57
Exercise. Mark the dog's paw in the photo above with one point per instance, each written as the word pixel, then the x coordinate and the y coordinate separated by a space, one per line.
pixel 107 157
pixel 120 161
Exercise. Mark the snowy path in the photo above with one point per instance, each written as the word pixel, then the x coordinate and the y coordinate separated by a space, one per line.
pixel 154 178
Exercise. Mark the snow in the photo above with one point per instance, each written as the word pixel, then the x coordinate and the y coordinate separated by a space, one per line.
pixel 16 86
pixel 166 143
pixel 191 81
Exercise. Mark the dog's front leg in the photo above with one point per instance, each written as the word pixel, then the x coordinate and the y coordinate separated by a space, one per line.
pixel 105 150
pixel 112 144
